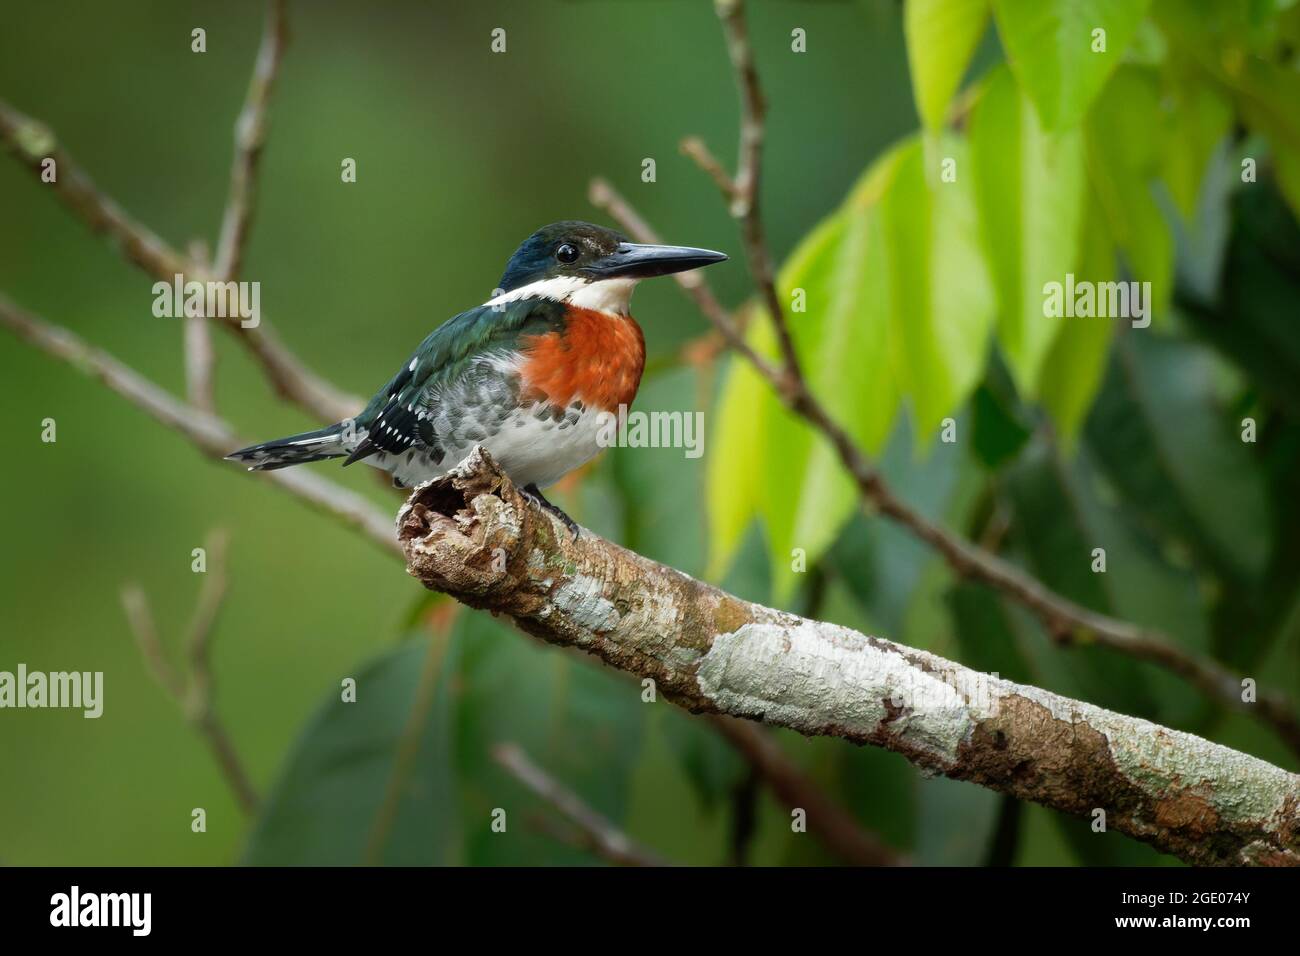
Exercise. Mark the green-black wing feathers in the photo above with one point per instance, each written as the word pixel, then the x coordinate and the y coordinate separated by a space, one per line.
pixel 391 420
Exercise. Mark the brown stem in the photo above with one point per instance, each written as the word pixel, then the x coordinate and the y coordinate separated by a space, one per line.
pixel 196 695
pixel 200 356
pixel 250 138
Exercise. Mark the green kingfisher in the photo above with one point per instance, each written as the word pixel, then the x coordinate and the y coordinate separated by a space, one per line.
pixel 530 374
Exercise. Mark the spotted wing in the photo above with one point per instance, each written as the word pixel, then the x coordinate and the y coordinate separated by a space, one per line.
pixel 451 365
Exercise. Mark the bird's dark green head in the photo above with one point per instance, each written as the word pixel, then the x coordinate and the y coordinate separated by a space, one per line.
pixel 572 253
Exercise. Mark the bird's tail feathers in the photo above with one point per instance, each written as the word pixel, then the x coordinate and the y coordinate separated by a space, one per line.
pixel 295 450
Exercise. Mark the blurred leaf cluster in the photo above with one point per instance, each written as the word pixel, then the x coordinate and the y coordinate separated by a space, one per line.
pixel 1107 145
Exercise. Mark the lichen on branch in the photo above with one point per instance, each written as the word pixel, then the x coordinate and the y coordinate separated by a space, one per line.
pixel 473 535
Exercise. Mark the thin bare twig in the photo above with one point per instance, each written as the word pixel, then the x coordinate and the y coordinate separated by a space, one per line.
pixel 695 148
pixel 746 191
pixel 200 356
pixel 603 837
pixel 1059 615
pixel 250 137
pixel 602 195
pixel 209 433
pixel 33 142
pixel 195 695
pixel 140 618
pixel 200 362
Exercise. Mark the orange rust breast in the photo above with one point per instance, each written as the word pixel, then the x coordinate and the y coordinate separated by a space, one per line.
pixel 598 360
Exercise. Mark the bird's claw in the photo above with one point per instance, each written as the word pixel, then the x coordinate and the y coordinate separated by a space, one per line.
pixel 535 493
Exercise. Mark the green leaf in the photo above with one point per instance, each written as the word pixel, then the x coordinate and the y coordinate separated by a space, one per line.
pixel 1075 365
pixel 1108 848
pixel 734 462
pixel 942 299
pixel 1254 323
pixel 998 429
pixel 955 822
pixel 1269 94
pixel 1029 185
pixel 843 342
pixel 658 520
pixel 583 724
pixel 335 782
pixel 941 39
pixel 1125 134
pixel 989 640
pixel 709 762
pixel 1240 46
pixel 1200 119
pixel 881 563
pixel 679 805
pixel 1052 47
pixel 1262 617
pixel 1062 512
pixel 421 608
pixel 878 787
pixel 1177 458
pixel 1287 167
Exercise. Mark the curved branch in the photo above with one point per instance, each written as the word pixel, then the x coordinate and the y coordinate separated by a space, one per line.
pixel 250 137
pixel 474 536
pixel 34 142
pixel 210 434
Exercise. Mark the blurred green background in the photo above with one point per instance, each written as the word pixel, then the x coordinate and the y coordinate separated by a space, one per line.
pixel 460 154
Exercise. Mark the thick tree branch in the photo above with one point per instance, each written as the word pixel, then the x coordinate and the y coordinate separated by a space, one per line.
pixel 474 536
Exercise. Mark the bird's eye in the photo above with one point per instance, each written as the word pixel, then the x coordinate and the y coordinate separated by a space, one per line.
pixel 567 252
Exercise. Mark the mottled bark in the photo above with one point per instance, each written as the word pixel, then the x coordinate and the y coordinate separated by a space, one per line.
pixel 474 536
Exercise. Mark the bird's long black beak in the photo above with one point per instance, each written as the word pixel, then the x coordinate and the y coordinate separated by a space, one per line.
pixel 634 261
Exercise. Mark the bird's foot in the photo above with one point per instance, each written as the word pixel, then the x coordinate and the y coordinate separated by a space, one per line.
pixel 532 491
